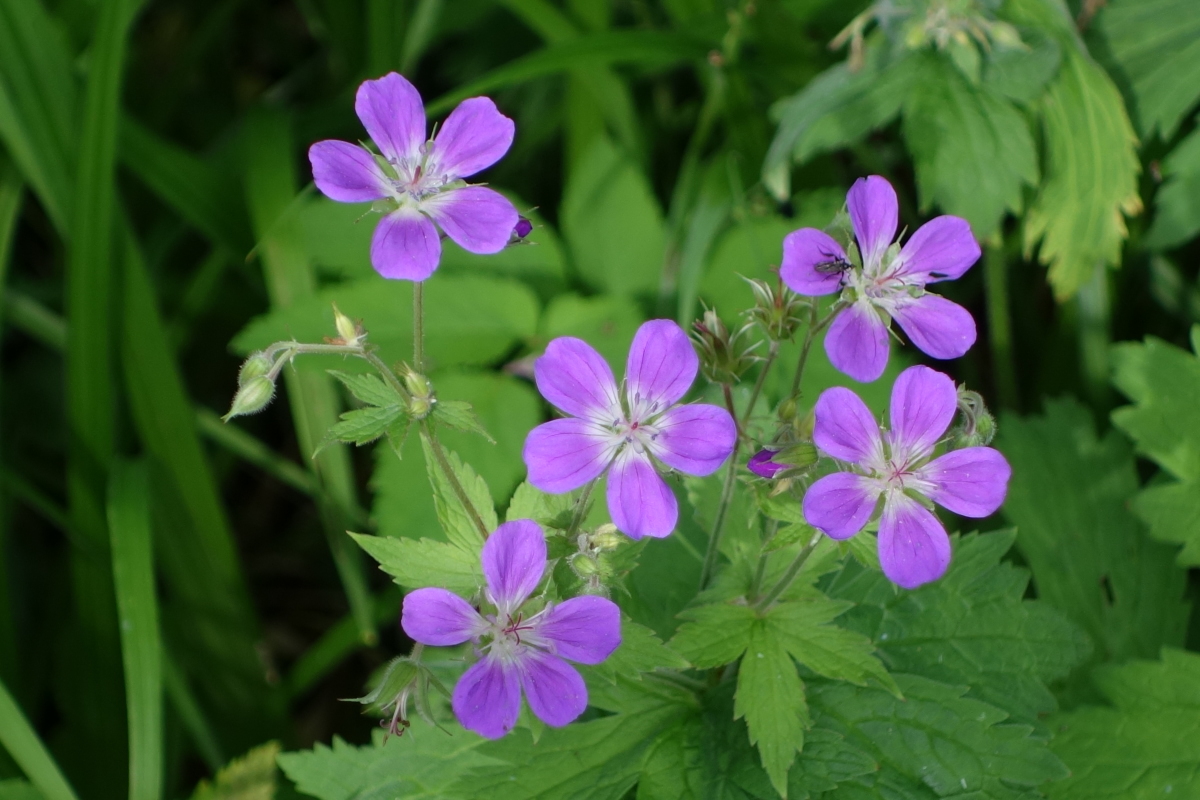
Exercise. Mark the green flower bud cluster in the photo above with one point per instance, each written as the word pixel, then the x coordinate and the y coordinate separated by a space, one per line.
pixel 591 563
pixel 422 397
pixel 256 386
pixel 778 311
pixel 724 356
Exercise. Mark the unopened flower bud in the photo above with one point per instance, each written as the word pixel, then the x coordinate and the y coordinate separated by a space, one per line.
pixel 523 228
pixel 798 455
pixel 762 465
pixel 349 331
pixel 977 426
pixel 607 537
pixel 786 462
pixel 778 311
pixel 256 366
pixel 788 409
pixel 585 566
pixel 724 356
pixel 422 400
pixel 252 396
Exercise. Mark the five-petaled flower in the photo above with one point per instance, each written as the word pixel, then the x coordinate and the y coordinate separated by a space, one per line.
pixel 420 181
pixel 913 546
pixel 517 652
pixel 890 284
pixel 626 438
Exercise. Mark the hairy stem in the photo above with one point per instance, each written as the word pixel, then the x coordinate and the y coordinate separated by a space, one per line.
pixel 439 455
pixel 419 327
pixel 772 352
pixel 714 541
pixel 792 571
pixel 814 327
pixel 581 508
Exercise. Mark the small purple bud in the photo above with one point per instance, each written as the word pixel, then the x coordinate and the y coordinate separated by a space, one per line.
pixel 762 465
pixel 523 227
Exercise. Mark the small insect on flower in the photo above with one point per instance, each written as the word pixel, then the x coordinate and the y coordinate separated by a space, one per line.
pixel 517 653
pixel 833 264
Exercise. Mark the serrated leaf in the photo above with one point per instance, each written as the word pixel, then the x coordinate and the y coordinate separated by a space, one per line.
pixel 783 507
pixel 1021 73
pixel 461 416
pixel 417 563
pixel 1148 746
pixel 369 389
pixel 972 150
pixel 835 109
pixel 597 760
pixel 640 651
pixel 1177 202
pixel 1164 422
pixel 363 425
pixel 421 765
pixel 1155 45
pixel 1068 498
pixel 802 629
pixel 456 519
pixel 714 635
pixel 936 738
pixel 770 696
pixel 550 510
pixel 251 777
pixel 1091 172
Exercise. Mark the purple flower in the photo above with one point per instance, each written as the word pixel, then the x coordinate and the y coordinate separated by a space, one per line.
pixel 516 652
pixel 626 432
pixel 761 464
pixel 420 181
pixel 913 546
pixel 890 285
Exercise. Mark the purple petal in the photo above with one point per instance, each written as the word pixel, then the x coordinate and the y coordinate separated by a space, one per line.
pixel 487 699
pixel 923 406
pixel 662 365
pixel 971 482
pixel 555 691
pixel 840 504
pixel 474 136
pixel 639 502
pixel 586 629
pixel 695 438
pixel 761 464
pixel 941 250
pixel 564 454
pixel 936 326
pixel 803 250
pixel 405 246
pixel 346 172
pixel 514 558
pixel 576 379
pixel 439 618
pixel 913 546
pixel 476 218
pixel 391 110
pixel 873 213
pixel 844 427
pixel 857 342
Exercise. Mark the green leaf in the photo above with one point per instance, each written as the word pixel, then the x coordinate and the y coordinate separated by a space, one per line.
pixel 17 789
pixel 972 150
pixel 137 609
pixel 714 635
pixel 1021 73
pixel 421 765
pixel 836 109
pixel 640 651
pixel 417 563
pixel 597 760
pixel 1164 422
pixel 508 408
pixel 934 739
pixel 369 389
pixel 459 415
pixel 1148 746
pixel 1177 203
pixel 363 425
pixel 26 749
pixel 468 319
pixel 1069 497
pixel 1155 47
pixel 548 510
pixel 251 777
pixel 802 629
pixel 1091 171
pixel 456 519
pixel 770 696
pixel 612 222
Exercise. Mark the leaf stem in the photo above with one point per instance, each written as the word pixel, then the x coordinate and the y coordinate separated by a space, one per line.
pixel 792 571
pixel 581 508
pixel 772 353
pixel 419 327
pixel 714 541
pixel 439 455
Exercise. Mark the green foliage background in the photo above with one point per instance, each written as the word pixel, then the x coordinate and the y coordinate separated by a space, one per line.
pixel 179 599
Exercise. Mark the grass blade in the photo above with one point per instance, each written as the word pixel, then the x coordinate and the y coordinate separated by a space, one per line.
pixel 23 744
pixel 271 192
pixel 190 714
pixel 137 608
pixel 11 189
